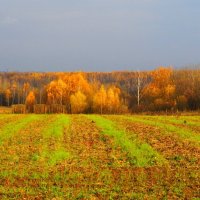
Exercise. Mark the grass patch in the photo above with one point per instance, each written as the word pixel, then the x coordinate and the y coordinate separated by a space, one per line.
pixel 69 157
pixel 14 127
pixel 56 156
pixel 168 128
pixel 140 154
pixel 185 120
pixel 56 128
pixel 54 134
pixel 3 116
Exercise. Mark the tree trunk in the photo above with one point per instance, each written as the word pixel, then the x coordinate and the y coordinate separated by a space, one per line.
pixel 138 90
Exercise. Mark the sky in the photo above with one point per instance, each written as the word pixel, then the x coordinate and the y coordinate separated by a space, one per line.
pixel 98 35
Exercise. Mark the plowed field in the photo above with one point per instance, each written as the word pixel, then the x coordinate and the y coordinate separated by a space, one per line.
pixel 99 157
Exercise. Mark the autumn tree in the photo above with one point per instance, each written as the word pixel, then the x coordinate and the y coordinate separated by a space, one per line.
pixel 13 89
pixel 113 100
pixel 160 89
pixel 76 82
pixel 8 96
pixel 26 87
pixel 61 87
pixel 100 100
pixel 1 92
pixel 52 92
pixel 141 82
pixel 187 83
pixel 78 102
pixel 60 91
pixel 30 101
pixel 160 92
pixel 107 101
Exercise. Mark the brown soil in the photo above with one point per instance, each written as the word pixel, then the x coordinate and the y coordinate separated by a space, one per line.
pixel 97 168
pixel 183 156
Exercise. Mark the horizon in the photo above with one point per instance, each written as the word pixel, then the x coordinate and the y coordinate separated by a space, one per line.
pixel 187 67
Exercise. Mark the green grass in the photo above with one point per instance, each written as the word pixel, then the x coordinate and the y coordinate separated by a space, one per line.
pixel 56 128
pixel 54 134
pixel 56 156
pixel 167 128
pixel 15 127
pixel 3 116
pixel 184 120
pixel 140 154
pixel 69 157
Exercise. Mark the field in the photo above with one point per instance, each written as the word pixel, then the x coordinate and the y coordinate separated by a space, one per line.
pixel 99 157
pixel 5 110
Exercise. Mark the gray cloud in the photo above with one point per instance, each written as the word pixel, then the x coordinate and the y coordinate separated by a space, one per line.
pixel 98 34
pixel 8 20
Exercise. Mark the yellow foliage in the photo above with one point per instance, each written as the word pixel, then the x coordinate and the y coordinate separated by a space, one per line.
pixel 76 82
pixel 107 101
pixel 26 87
pixel 8 95
pixel 56 91
pixel 169 91
pixel 152 90
pixel 162 76
pixel 113 100
pixel 78 102
pixel 59 91
pixel 161 89
pixel 30 99
pixel 99 100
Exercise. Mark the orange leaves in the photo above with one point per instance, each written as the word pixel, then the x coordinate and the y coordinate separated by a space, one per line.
pixel 113 99
pixel 152 90
pixel 55 92
pixel 52 92
pixel 169 91
pixel 107 101
pixel 59 91
pixel 162 76
pixel 99 100
pixel 161 90
pixel 76 82
pixel 8 93
pixel 78 102
pixel 26 87
pixel 14 86
pixel 71 90
pixel 30 99
pixel 8 96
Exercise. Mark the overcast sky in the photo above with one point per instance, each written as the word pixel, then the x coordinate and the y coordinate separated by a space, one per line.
pixel 98 35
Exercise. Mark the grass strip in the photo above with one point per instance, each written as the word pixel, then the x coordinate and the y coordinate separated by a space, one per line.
pixel 167 128
pixel 6 116
pixel 54 134
pixel 14 127
pixel 140 154
pixel 179 121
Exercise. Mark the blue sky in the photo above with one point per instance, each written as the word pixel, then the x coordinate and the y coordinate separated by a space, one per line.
pixel 98 35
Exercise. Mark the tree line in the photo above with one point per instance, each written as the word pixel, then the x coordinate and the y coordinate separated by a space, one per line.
pixel 162 89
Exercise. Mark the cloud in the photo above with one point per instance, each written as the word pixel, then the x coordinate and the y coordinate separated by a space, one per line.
pixel 55 16
pixel 8 20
